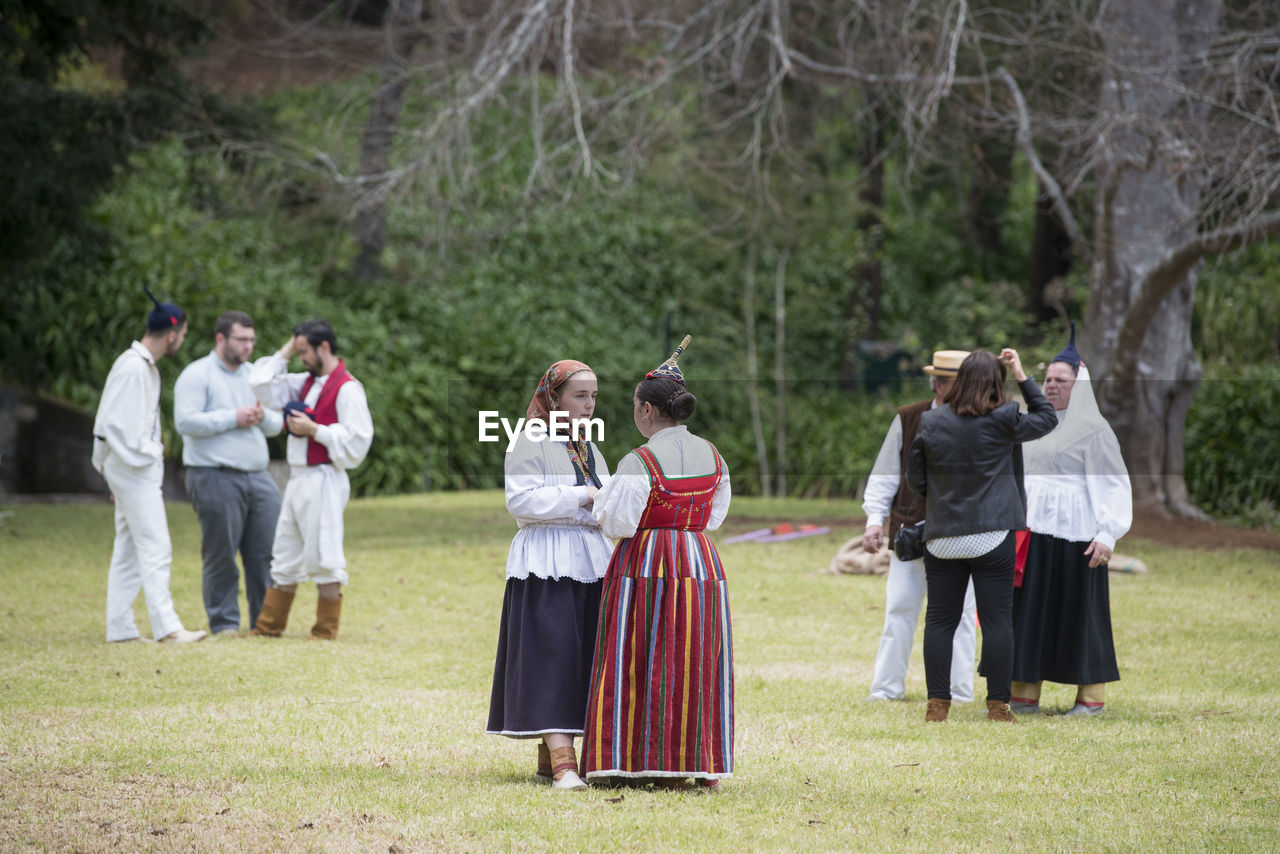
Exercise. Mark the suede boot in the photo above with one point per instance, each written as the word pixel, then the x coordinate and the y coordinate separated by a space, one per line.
pixel 998 710
pixel 327 613
pixel 937 710
pixel 274 615
pixel 564 769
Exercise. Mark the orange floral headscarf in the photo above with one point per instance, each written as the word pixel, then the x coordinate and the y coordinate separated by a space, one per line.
pixel 540 405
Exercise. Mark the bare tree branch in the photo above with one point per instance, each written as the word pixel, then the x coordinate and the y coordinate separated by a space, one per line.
pixel 1168 272
pixel 1047 181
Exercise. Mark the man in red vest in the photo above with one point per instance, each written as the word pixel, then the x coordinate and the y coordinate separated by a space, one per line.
pixel 330 430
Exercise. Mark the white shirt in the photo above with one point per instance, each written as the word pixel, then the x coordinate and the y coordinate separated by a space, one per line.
pixel 558 537
pixel 205 400
pixel 621 503
pixel 882 483
pixel 347 441
pixel 128 419
pixel 1077 484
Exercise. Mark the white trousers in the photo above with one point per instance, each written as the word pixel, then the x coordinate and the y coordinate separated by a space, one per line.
pixel 904 597
pixel 308 544
pixel 142 553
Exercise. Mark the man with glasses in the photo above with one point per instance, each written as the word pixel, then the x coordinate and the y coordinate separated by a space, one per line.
pixel 224 448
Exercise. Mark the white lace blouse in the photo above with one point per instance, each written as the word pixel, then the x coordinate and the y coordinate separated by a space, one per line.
pixel 558 538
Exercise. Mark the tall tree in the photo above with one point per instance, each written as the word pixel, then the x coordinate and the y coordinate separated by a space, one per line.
pixel 1152 127
pixel 1183 152
pixel 401 22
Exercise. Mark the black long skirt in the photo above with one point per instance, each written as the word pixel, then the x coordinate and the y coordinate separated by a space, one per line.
pixel 1062 617
pixel 543 668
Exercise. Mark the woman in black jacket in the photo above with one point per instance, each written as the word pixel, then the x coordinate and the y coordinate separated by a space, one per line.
pixel 966 460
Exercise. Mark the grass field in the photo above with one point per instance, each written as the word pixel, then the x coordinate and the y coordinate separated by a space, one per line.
pixel 376 743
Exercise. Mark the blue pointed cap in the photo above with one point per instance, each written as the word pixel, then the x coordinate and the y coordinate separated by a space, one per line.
pixel 1069 353
pixel 165 315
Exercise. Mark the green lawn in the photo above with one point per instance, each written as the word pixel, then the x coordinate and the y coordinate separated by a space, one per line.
pixel 376 742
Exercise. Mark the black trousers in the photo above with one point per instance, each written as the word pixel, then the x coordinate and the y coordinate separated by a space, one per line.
pixel 992 575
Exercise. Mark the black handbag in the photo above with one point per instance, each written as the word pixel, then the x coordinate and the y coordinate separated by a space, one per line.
pixel 909 543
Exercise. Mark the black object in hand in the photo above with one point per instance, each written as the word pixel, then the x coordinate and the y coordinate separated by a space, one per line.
pixel 296 406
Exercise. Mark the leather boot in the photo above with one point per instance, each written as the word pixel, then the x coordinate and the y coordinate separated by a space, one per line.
pixel 998 710
pixel 274 615
pixel 564 768
pixel 327 613
pixel 937 710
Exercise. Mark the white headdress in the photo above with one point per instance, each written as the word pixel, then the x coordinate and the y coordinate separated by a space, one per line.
pixel 1081 420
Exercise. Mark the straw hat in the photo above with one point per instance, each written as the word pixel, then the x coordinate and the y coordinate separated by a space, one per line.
pixel 946 362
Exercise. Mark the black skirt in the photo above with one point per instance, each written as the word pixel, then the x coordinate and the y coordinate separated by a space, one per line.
pixel 545 648
pixel 1062 617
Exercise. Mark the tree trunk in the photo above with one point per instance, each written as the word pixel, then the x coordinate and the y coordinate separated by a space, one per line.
pixel 1050 261
pixel 780 369
pixel 867 284
pixel 753 371
pixel 988 200
pixel 401 24
pixel 1148 204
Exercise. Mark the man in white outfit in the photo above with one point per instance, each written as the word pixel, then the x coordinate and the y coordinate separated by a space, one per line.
pixel 128 452
pixel 888 496
pixel 330 430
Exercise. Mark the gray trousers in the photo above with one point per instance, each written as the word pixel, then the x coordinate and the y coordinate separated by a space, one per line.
pixel 237 512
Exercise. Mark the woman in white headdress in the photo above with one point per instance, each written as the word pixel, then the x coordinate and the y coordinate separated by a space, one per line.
pixel 1079 502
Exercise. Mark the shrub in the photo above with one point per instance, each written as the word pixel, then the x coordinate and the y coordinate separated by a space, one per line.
pixel 1233 444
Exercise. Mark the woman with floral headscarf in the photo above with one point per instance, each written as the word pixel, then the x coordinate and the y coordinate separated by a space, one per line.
pixel 557 558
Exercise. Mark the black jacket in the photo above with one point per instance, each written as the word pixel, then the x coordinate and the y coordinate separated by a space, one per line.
pixel 969 467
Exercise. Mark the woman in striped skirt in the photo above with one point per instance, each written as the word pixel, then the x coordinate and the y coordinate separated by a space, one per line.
pixel 660 706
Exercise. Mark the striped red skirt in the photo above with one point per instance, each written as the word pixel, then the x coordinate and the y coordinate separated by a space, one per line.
pixel 661 696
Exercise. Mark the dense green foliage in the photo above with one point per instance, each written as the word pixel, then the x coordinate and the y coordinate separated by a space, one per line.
pixel 1233 429
pixel 64 139
pixel 1233 443
pixel 614 277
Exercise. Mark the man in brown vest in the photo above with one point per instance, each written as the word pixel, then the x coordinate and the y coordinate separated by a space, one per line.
pixel 887 494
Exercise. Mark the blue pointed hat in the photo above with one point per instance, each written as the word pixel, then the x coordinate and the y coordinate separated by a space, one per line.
pixel 165 315
pixel 1069 353
pixel 669 369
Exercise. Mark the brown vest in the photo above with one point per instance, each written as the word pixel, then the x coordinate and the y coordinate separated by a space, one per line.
pixel 908 506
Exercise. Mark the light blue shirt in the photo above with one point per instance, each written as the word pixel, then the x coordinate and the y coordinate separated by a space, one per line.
pixel 205 400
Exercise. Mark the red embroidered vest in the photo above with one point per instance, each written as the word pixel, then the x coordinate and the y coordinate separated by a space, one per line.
pixel 683 503
pixel 326 409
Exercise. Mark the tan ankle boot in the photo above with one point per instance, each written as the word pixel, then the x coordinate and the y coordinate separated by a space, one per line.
pixel 937 710
pixel 564 769
pixel 998 710
pixel 274 615
pixel 327 613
